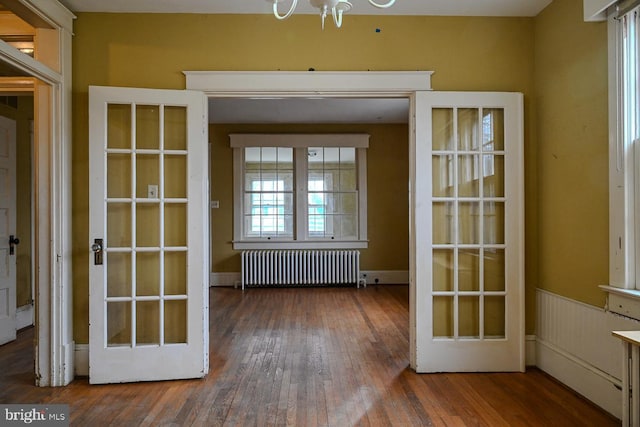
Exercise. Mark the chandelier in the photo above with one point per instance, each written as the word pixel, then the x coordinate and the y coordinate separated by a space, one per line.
pixel 336 7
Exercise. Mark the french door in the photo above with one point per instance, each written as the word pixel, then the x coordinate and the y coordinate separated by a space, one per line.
pixel 148 235
pixel 467 232
pixel 8 239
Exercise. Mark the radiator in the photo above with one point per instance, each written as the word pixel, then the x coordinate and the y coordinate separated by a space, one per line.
pixel 300 268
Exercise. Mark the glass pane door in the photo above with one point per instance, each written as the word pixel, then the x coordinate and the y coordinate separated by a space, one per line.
pixel 149 218
pixel 468 238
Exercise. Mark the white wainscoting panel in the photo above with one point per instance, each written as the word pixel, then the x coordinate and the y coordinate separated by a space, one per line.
pixel 224 279
pixel 575 345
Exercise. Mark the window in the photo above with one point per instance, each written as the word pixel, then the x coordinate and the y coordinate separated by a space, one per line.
pixel 624 152
pixel 299 191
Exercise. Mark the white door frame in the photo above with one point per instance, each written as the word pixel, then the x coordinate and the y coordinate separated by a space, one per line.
pixel 54 352
pixel 378 84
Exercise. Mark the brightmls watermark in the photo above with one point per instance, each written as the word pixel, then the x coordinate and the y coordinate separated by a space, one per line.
pixel 36 415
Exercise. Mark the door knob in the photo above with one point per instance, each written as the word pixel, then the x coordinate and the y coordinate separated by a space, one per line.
pixel 13 241
pixel 97 249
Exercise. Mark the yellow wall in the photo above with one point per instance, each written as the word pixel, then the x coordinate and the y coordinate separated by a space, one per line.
pixel 492 54
pixel 571 123
pixel 387 181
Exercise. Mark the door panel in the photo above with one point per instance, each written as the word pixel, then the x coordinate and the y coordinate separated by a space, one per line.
pixel 469 226
pixel 149 274
pixel 7 230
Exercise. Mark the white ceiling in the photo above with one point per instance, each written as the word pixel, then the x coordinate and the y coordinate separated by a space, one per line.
pixel 302 110
pixel 360 7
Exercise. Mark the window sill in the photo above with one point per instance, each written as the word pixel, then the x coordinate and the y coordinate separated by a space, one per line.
pixel 625 302
pixel 307 244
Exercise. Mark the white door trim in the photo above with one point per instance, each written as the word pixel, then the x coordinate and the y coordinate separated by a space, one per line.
pixel 331 84
pixel 52 160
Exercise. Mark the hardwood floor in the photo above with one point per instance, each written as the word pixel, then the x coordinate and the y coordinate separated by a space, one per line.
pixel 307 357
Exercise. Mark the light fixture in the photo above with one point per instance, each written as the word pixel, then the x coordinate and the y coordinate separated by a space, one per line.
pixel 336 7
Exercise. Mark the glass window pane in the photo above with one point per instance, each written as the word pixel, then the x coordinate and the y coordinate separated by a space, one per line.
pixel 443 222
pixel 469 317
pixel 118 323
pixel 442 317
pixel 148 273
pixel 494 270
pixel 148 225
pixel 468 135
pixel 147 173
pixel 493 170
pixel 442 172
pixel 175 224
pixel 118 266
pixel 494 317
pixel 468 176
pixel 147 322
pixel 493 129
pixel 442 133
pixel 252 157
pixel 175 176
pixel 494 222
pixel 119 126
pixel 468 222
pixel 147 127
pixel 118 225
pixel 469 270
pixel 118 175
pixel 443 271
pixel 175 273
pixel 175 128
pixel 175 322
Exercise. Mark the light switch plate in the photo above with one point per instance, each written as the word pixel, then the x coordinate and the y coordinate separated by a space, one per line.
pixel 152 191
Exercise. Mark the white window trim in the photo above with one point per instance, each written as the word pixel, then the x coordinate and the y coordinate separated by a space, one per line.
pixel 300 239
pixel 624 190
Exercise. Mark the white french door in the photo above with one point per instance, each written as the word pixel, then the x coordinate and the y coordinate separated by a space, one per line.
pixel 8 239
pixel 468 232
pixel 148 235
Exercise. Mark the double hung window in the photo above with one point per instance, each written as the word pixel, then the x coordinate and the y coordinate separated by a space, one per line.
pixel 624 149
pixel 299 191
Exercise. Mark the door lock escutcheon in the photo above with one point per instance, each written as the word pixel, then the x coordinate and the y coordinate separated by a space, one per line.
pixel 13 241
pixel 97 249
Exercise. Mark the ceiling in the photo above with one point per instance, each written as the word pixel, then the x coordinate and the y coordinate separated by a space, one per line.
pixel 304 110
pixel 361 7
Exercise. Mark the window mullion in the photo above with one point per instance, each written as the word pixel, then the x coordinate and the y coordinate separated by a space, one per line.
pixel 300 167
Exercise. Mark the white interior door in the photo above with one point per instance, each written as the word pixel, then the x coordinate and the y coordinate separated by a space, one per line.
pixel 149 235
pixel 468 239
pixel 8 239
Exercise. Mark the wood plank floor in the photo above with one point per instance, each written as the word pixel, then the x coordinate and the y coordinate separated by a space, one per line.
pixel 307 357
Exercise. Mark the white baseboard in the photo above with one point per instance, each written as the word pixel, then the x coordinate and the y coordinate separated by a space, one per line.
pixel 81 356
pixel 224 279
pixel 386 277
pixel 595 385
pixel 24 316
pixel 530 350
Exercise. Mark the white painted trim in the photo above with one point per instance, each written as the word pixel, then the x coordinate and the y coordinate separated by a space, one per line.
pixel 385 277
pixel 25 316
pixel 241 140
pixel 530 350
pixel 592 383
pixel 225 279
pixel 291 83
pixel 596 10
pixel 81 358
pixel 300 244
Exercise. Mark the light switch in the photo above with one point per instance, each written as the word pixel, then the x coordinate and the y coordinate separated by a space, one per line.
pixel 152 191
pixel 215 204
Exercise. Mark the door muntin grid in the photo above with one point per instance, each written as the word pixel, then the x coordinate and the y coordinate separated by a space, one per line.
pixel 146 238
pixel 468 232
